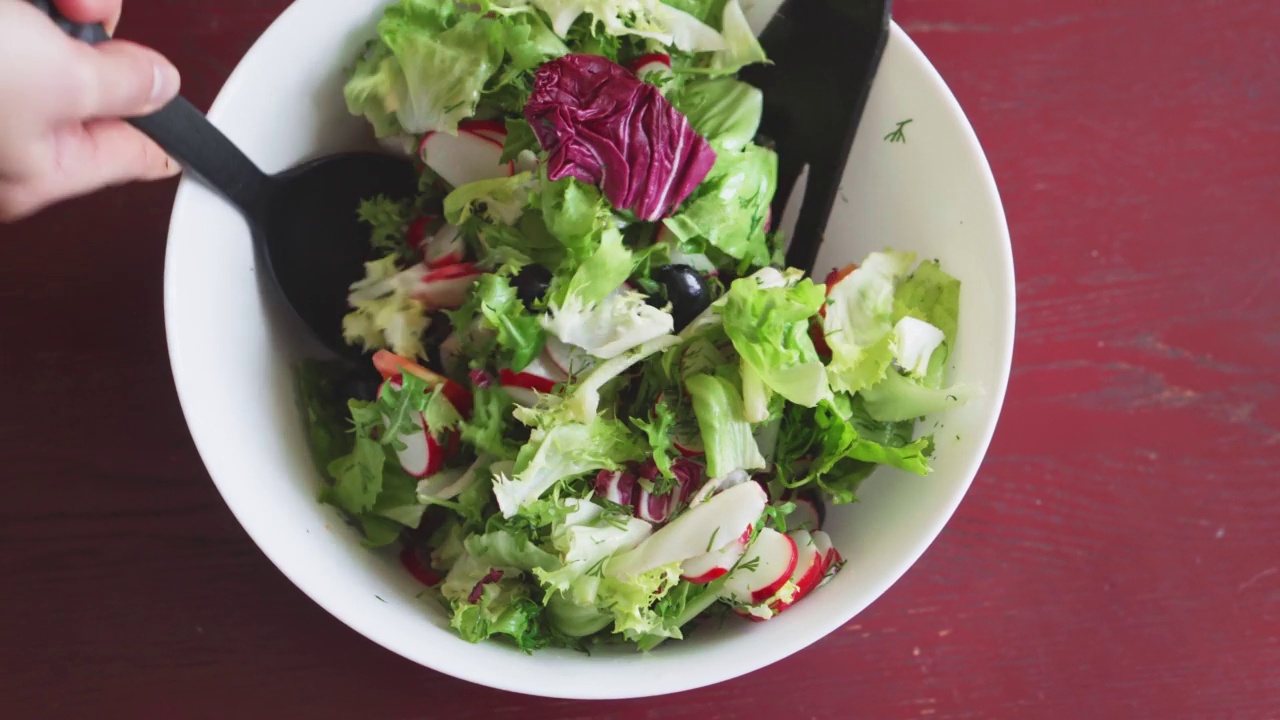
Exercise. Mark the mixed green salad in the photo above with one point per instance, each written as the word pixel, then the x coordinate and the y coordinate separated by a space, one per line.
pixel 596 407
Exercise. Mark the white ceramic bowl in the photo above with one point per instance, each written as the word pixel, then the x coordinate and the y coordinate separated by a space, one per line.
pixel 232 347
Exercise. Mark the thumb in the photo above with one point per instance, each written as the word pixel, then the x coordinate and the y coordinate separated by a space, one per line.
pixel 122 79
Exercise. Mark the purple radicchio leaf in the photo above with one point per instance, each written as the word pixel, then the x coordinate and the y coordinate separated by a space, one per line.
pixel 601 124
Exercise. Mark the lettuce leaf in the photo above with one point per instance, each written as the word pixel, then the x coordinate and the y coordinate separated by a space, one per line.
pixel 769 328
pixel 563 451
pixel 611 327
pixel 516 338
pixel 490 429
pixel 726 434
pixel 729 209
pixel 932 296
pixel 502 608
pixel 584 400
pixel 601 273
pixel 724 110
pixel 897 398
pixel 859 320
pixel 383 314
pixel 427 68
pixel 497 200
pixel 844 444
pixel 741 45
pixel 650 19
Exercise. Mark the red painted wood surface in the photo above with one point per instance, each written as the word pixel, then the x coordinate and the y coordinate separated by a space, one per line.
pixel 1117 557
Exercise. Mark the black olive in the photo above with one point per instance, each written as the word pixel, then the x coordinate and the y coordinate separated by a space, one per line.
pixel 361 382
pixel 531 284
pixel 686 291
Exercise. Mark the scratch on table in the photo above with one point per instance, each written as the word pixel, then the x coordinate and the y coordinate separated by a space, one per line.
pixel 1251 581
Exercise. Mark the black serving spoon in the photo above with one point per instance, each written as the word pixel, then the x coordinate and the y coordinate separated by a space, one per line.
pixel 824 55
pixel 303 220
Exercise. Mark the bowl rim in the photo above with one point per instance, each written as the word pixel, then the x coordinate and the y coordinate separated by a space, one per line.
pixel 443 662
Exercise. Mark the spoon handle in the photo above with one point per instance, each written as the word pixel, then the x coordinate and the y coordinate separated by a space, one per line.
pixel 186 134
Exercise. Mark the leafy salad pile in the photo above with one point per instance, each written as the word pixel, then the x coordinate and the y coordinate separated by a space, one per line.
pixel 596 406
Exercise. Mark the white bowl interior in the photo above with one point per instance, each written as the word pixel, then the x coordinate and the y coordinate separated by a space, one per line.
pixel 232 348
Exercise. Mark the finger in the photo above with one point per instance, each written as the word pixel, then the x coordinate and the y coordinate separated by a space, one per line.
pixel 88 157
pixel 121 79
pixel 106 12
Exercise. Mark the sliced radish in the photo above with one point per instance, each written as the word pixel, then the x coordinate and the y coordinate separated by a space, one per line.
pixel 711 565
pixel 809 514
pixel 416 233
pixel 390 365
pixel 421 456
pixel 494 130
pixel 737 477
pixel 568 359
pixel 425 575
pixel 616 486
pixel 651 63
pixel 521 396
pixel 808 573
pixel 831 557
pixel 450 483
pixel 689 534
pixel 464 158
pixel 765 568
pixel 445 287
pixel 810 565
pixel 443 248
pixel 537 376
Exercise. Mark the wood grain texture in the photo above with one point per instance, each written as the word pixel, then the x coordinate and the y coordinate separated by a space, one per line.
pixel 1117 557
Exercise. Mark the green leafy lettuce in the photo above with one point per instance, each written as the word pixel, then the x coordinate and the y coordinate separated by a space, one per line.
pixel 726 434
pixel 729 209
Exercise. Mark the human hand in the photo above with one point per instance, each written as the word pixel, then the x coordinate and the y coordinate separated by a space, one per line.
pixel 61 132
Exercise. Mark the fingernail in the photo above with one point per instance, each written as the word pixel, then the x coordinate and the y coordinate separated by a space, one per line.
pixel 164 83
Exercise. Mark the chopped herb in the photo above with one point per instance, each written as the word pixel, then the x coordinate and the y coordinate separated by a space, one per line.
pixel 896 136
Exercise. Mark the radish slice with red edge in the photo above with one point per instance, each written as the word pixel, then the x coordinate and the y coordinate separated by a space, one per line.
pixel 422 455
pixel 651 63
pixel 491 129
pixel 416 233
pixel 445 287
pixel 714 564
pixel 411 562
pixel 464 158
pixel 765 568
pixel 537 377
pixel 443 248
pixel 808 513
pixel 808 571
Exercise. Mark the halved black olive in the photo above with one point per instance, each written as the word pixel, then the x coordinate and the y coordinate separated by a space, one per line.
pixel 531 284
pixel 686 290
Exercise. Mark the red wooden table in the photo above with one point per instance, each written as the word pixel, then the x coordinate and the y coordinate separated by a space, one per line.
pixel 1117 557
